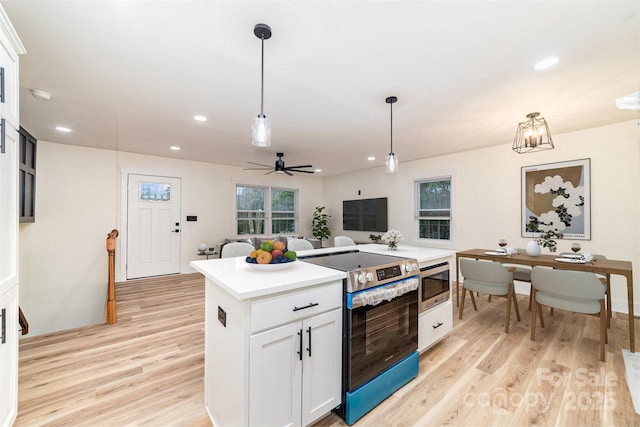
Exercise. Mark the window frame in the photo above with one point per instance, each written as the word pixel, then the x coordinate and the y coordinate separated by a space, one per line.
pixel 451 218
pixel 268 211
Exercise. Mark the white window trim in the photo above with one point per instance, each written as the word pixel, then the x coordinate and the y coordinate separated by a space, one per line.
pixel 267 213
pixel 435 243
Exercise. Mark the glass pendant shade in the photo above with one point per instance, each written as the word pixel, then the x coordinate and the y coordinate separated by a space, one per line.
pixel 392 163
pixel 532 135
pixel 392 159
pixel 261 131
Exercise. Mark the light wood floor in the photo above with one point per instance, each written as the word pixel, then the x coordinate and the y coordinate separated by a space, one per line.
pixel 147 370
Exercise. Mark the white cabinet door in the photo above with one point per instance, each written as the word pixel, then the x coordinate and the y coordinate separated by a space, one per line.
pixel 8 210
pixel 9 357
pixel 322 365
pixel 295 371
pixel 275 367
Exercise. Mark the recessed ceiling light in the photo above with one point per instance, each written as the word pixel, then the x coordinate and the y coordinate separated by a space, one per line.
pixel 200 118
pixel 371 158
pixel 63 129
pixel 175 148
pixel 547 63
pixel 318 170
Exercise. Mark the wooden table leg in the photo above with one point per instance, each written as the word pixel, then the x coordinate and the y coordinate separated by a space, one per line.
pixel 457 282
pixel 632 333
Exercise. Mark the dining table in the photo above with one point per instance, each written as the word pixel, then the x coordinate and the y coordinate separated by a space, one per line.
pixel 600 266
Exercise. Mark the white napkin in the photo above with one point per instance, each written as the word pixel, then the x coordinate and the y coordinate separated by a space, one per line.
pixel 509 251
pixel 587 257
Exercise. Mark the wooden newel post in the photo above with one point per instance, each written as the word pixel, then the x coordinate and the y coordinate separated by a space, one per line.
pixel 111 298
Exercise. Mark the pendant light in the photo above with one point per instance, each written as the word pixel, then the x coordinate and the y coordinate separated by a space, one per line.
pixel 261 128
pixel 532 135
pixel 392 159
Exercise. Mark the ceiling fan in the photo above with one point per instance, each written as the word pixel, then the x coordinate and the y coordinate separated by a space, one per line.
pixel 280 167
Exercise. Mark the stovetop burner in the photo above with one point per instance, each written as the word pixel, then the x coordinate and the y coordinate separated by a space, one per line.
pixel 351 260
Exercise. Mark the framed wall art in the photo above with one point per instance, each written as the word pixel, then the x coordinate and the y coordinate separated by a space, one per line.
pixel 557 196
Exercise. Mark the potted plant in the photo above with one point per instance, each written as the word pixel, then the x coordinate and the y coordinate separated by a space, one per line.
pixel 320 224
pixel 375 238
pixel 547 238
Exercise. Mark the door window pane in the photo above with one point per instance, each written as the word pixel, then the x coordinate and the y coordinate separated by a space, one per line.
pixel 154 191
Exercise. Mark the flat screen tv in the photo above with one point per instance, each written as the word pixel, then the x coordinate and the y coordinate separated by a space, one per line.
pixel 365 214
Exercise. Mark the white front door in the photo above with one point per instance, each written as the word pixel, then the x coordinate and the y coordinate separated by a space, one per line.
pixel 153 226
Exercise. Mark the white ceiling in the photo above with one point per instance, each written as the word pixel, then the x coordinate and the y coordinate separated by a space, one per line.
pixel 130 75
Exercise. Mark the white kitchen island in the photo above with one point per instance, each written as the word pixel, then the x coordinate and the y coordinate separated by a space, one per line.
pixel 273 342
pixel 273 347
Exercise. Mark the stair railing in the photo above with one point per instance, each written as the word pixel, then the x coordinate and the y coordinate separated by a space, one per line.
pixel 111 293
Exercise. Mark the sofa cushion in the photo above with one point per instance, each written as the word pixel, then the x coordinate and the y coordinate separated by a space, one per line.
pixel 249 240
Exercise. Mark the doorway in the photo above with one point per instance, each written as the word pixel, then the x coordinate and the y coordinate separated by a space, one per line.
pixel 153 225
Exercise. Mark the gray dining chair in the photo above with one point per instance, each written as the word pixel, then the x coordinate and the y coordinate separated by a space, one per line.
pixel 343 241
pixel 234 249
pixel 606 282
pixel 577 291
pixel 488 277
pixel 299 245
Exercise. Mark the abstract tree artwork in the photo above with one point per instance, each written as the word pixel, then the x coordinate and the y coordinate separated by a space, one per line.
pixel 556 196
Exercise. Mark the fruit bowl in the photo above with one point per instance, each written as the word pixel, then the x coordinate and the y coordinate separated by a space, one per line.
pixel 271 267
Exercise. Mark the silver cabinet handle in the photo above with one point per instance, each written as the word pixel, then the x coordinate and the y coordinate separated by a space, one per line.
pixel 4 326
pixel 2 84
pixel 2 135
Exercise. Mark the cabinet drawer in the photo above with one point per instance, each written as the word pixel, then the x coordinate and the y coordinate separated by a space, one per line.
pixel 284 308
pixel 434 324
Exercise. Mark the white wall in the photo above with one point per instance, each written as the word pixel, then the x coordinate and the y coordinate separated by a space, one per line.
pixel 487 194
pixel 63 258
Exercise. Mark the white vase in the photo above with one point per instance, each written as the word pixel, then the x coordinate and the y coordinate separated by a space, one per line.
pixel 533 248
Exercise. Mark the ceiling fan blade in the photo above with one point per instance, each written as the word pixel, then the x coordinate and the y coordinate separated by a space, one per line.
pixel 269 172
pixel 298 170
pixel 300 166
pixel 256 169
pixel 287 172
pixel 260 164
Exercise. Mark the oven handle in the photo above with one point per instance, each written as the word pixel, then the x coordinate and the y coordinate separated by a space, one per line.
pixel 434 269
pixel 384 293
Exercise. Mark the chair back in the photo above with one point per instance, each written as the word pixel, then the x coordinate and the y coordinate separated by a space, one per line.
pixel 235 249
pixel 343 241
pixel 484 271
pixel 568 284
pixel 299 245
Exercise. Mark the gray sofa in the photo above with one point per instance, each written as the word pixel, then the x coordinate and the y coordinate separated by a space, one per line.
pixel 256 241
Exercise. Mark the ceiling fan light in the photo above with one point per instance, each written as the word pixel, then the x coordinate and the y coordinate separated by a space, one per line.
pixel 392 163
pixel 261 131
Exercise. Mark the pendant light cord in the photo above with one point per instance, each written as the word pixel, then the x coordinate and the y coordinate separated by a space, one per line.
pixel 262 80
pixel 391 104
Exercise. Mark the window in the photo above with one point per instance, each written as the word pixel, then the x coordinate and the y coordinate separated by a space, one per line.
pixel 283 211
pixel 27 186
pixel 434 208
pixel 255 205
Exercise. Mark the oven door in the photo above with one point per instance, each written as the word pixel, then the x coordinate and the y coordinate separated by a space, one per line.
pixel 380 333
pixel 434 285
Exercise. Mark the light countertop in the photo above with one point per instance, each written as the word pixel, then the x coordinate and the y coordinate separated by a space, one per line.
pixel 247 281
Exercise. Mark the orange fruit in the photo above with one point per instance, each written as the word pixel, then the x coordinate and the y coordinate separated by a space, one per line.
pixel 264 258
pixel 253 254
pixel 279 245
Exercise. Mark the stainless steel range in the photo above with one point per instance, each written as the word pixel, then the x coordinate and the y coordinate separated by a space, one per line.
pixel 380 335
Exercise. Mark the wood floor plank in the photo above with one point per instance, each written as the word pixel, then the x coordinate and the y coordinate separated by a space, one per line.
pixel 148 369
